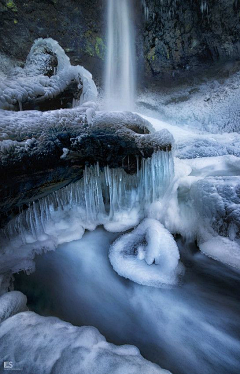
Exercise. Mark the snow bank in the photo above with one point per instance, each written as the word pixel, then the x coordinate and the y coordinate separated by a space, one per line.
pixel 49 345
pixel 148 255
pixel 195 143
pixel 30 83
pixel 12 303
pixel 211 106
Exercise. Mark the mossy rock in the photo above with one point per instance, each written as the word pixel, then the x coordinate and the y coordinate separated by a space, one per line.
pixel 11 5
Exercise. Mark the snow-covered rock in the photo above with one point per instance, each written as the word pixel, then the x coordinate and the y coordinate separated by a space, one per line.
pixel 12 303
pixel 47 345
pixel 47 73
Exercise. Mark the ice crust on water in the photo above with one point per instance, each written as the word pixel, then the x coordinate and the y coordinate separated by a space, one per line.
pixel 29 82
pixel 61 348
pixel 148 255
pixel 12 303
pixel 191 142
pixel 108 197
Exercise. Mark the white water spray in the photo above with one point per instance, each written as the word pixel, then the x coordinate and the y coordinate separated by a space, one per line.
pixel 120 64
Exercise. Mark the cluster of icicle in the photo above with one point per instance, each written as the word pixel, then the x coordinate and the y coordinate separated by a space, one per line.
pixel 101 197
pixel 204 7
pixel 170 7
pixel 145 9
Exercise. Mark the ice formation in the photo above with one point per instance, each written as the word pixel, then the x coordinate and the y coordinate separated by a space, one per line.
pixel 148 255
pixel 62 348
pixel 108 197
pixel 204 6
pixel 146 10
pixel 25 84
pixel 212 106
pixel 203 203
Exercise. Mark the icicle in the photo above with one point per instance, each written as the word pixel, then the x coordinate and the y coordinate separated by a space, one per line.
pixel 99 197
pixel 20 105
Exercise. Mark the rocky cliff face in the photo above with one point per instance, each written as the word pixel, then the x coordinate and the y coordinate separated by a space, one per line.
pixel 78 26
pixel 182 37
pixel 175 38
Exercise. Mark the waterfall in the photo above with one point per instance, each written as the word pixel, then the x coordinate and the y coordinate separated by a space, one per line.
pixel 120 63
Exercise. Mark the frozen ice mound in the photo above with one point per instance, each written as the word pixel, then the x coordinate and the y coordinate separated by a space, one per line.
pixel 12 303
pixel 47 73
pixel 148 255
pixel 47 345
pixel 216 202
pixel 203 205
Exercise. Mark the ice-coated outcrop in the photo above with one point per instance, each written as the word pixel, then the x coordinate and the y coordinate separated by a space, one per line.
pixel 12 303
pixel 44 151
pixel 61 348
pixel 47 76
pixel 148 255
pixel 216 202
pixel 203 204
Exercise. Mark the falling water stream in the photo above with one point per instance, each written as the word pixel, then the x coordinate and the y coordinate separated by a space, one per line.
pixel 120 63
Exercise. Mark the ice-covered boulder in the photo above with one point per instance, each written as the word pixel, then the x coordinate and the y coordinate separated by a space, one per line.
pixel 48 81
pixel 216 202
pixel 148 255
pixel 12 303
pixel 44 151
pixel 47 345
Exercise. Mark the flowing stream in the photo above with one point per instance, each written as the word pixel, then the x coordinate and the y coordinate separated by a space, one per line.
pixel 192 328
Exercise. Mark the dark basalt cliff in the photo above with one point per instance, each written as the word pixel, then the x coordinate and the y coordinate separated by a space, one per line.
pixel 180 37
